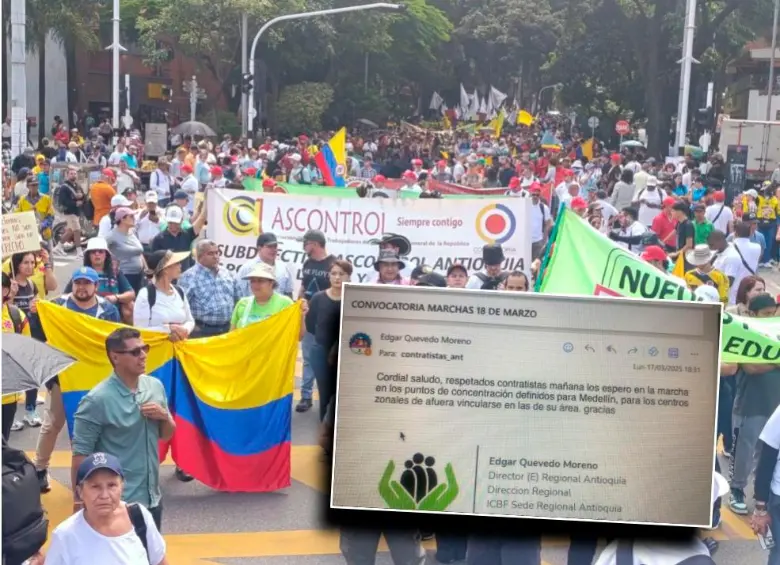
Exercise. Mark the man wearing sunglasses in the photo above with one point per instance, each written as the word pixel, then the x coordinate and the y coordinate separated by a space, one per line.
pixel 126 415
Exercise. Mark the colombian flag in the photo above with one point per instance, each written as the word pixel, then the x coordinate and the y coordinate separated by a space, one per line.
pixel 230 395
pixel 332 159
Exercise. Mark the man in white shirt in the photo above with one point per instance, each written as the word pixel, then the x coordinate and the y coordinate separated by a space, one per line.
pixel 541 221
pixel 720 215
pixel 147 223
pixel 160 182
pixel 727 261
pixel 640 179
pixel 608 211
pixel 749 252
pixel 189 185
pixel 116 157
pixel 650 201
pixel 630 233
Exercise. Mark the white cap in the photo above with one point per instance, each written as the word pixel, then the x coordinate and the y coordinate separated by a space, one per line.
pixel 150 196
pixel 652 181
pixel 707 293
pixel 350 147
pixel 283 146
pixel 118 200
pixel 576 164
pixel 174 215
pixel 97 244
pixel 295 157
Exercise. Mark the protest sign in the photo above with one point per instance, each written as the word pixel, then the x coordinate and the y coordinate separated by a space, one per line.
pixel 584 261
pixel 442 232
pixel 20 233
pixel 480 402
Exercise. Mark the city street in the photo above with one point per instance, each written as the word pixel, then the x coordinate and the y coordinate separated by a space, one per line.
pixel 202 526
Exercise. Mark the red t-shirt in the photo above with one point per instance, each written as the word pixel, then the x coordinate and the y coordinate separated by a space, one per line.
pixel 665 229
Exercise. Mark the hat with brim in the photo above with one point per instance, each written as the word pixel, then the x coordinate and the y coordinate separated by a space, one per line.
pixel 261 271
pixel 401 242
pixel 388 256
pixel 700 255
pixel 161 260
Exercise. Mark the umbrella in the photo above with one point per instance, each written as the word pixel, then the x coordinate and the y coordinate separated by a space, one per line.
pixel 368 123
pixel 194 128
pixel 632 143
pixel 28 363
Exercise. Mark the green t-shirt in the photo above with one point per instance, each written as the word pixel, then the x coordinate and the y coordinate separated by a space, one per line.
pixel 702 231
pixel 257 313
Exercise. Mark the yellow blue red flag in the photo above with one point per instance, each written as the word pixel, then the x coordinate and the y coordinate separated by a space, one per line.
pixel 332 159
pixel 231 395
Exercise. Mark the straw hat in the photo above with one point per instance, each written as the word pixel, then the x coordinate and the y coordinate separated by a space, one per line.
pixel 160 260
pixel 701 255
pixel 261 271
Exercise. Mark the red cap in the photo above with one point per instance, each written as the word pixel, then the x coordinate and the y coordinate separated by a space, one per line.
pixel 108 173
pixel 379 178
pixel 616 157
pixel 216 170
pixel 442 163
pixel 514 182
pixel 303 137
pixel 186 169
pixel 250 172
pixel 719 196
pixel 568 173
pixel 535 187
pixel 669 201
pixel 416 162
pixel 269 183
pixel 409 175
pixel 578 203
pixel 654 253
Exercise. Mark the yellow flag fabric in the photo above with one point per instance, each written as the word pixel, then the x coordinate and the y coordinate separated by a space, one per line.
pixel 524 118
pixel 679 267
pixel 587 149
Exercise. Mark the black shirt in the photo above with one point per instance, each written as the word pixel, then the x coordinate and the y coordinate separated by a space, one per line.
pixel 70 194
pixel 315 276
pixel 685 230
pixel 182 241
pixel 323 318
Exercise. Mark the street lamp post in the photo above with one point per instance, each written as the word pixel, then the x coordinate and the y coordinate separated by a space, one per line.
pixel 250 106
pixel 539 94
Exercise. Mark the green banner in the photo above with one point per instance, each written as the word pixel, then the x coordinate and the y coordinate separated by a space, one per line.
pixel 584 261
pixel 256 185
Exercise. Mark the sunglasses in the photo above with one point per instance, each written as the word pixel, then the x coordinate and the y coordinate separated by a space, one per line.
pixel 135 352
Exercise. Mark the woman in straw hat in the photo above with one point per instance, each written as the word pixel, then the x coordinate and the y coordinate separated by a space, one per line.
pixel 264 302
pixel 161 305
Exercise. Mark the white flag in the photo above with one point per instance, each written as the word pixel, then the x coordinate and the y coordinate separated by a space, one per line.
pixel 464 99
pixel 443 109
pixel 496 97
pixel 482 107
pixel 436 101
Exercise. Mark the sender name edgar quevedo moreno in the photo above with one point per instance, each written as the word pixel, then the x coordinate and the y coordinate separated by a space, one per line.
pixel 462 401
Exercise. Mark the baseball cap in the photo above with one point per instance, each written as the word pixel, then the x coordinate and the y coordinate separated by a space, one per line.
pixel 108 173
pixel 750 217
pixel 85 274
pixel 669 201
pixel 119 200
pixel 216 170
pixel 719 196
pixel 432 279
pixel 174 215
pixel 123 212
pixel 186 169
pixel 578 203
pixel 150 196
pixel 707 293
pixel 96 462
pixel 380 178
pixel 181 195
pixel 314 235
pixel 654 253
pixel 456 266
pixel 266 239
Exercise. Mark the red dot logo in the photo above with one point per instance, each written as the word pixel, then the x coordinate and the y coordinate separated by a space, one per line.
pixel 495 224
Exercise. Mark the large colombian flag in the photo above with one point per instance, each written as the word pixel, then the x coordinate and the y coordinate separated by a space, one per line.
pixel 231 395
pixel 332 159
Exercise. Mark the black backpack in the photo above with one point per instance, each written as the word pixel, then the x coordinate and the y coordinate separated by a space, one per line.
pixel 16 318
pixel 491 283
pixel 151 293
pixel 139 524
pixel 24 520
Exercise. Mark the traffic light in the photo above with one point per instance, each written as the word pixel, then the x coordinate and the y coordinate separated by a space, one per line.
pixel 247 81
pixel 167 93
pixel 705 117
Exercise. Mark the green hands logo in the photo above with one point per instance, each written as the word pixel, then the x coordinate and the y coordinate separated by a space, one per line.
pixel 419 487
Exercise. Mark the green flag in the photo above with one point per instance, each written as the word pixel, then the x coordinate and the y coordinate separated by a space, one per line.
pixel 584 261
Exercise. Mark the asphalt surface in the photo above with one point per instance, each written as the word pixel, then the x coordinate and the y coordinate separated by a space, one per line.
pixel 202 526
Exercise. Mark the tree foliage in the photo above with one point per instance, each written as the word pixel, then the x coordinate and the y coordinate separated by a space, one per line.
pixel 302 106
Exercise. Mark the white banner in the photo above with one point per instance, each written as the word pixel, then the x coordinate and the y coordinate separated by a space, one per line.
pixel 441 231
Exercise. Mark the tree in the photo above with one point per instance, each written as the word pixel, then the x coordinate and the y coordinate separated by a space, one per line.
pixel 301 107
pixel 70 22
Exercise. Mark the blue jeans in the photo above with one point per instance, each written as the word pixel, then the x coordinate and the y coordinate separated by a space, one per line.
pixel 504 551
pixel 769 231
pixel 308 372
pixel 774 525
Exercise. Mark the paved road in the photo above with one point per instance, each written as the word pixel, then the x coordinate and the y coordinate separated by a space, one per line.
pixel 282 528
